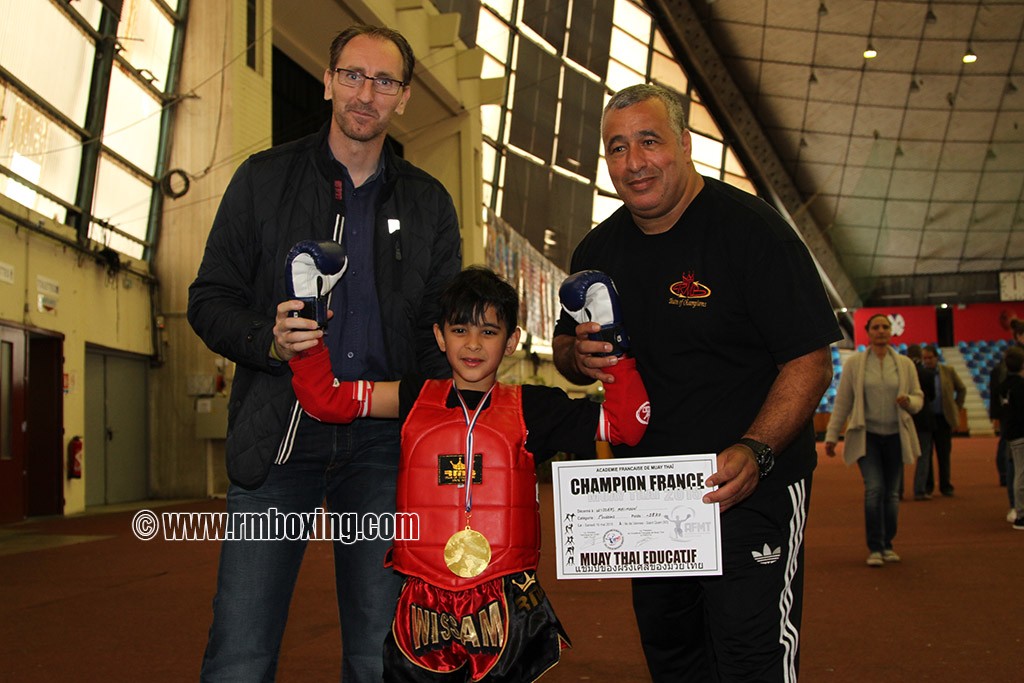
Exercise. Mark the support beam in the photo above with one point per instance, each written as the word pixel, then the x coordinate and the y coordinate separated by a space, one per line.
pixel 691 44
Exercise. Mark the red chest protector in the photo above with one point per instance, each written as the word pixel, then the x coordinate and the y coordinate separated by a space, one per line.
pixel 505 507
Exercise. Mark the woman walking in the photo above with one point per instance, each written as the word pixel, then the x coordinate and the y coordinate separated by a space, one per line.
pixel 878 391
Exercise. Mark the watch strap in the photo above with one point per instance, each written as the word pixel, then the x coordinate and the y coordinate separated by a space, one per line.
pixel 763 455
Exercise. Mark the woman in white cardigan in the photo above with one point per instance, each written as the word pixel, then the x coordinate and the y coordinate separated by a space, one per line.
pixel 878 391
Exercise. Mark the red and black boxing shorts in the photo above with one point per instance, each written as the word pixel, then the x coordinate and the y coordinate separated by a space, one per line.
pixel 501 631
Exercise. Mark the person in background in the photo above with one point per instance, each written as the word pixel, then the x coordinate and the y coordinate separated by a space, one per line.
pixel 400 230
pixel 924 423
pixel 950 393
pixel 879 392
pixel 1003 461
pixel 1011 419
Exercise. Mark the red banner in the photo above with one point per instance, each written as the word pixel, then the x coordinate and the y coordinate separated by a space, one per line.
pixel 910 324
pixel 985 322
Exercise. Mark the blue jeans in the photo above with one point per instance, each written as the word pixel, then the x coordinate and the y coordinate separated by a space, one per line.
pixel 1011 478
pixel 942 438
pixel 1006 470
pixel 353 467
pixel 923 468
pixel 880 467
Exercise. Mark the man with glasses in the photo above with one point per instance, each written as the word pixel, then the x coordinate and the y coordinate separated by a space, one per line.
pixel 401 235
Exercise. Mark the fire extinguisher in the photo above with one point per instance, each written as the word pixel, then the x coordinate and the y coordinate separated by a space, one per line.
pixel 75 457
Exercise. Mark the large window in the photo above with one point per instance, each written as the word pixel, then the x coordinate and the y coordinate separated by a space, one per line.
pixel 543 163
pixel 57 155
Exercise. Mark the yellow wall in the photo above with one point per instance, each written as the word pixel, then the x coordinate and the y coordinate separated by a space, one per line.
pixel 220 123
pixel 92 307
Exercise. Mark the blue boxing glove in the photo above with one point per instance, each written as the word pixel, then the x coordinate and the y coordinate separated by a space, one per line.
pixel 311 270
pixel 589 296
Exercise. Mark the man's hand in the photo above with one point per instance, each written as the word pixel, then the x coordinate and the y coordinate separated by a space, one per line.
pixel 736 478
pixel 311 270
pixel 589 296
pixel 580 358
pixel 292 335
pixel 830 449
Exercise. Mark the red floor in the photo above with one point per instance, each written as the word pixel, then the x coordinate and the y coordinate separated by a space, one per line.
pixel 119 609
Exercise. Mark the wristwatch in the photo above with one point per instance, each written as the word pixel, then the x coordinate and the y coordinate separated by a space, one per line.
pixel 763 455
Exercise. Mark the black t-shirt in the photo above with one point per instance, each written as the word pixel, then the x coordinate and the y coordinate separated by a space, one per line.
pixel 1011 407
pixel 712 307
pixel 554 422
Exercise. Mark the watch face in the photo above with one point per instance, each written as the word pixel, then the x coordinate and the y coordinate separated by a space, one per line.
pixel 765 461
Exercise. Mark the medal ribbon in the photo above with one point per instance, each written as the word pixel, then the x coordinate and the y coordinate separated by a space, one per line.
pixel 468 458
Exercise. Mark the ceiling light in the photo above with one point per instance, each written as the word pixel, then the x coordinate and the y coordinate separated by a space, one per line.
pixel 1010 87
pixel 870 52
pixel 813 78
pixel 990 153
pixel 914 86
pixel 929 17
pixel 803 142
pixel 899 151
pixel 822 10
pixel 969 56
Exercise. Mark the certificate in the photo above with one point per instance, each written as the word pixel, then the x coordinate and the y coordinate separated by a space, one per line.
pixel 636 517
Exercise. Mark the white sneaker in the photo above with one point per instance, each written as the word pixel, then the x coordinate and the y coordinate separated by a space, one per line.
pixel 875 560
pixel 1011 516
pixel 890 555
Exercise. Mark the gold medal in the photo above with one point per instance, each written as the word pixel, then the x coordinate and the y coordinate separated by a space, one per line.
pixel 467 553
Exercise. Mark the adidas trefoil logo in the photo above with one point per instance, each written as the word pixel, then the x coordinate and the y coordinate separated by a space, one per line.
pixel 769 556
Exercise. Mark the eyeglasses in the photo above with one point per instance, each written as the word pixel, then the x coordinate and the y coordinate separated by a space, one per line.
pixel 381 84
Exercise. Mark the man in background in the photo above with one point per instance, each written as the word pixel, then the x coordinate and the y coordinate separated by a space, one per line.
pixel 950 392
pixel 924 423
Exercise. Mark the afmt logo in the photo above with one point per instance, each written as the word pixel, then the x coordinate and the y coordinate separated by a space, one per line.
pixel 690 288
pixel 768 556
pixel 613 539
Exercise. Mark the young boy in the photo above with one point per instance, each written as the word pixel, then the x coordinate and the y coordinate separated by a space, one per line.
pixel 1011 422
pixel 471 608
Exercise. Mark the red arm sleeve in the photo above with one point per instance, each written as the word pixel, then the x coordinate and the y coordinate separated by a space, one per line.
pixel 323 396
pixel 626 410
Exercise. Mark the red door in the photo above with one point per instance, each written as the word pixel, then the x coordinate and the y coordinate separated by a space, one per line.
pixel 12 424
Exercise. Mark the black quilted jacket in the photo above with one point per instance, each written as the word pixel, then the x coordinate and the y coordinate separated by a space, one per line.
pixel 275 199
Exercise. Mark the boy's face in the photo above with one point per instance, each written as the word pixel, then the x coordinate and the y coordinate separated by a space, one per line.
pixel 475 350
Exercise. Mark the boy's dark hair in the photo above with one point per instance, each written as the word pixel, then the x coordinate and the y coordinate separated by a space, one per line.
pixel 1014 359
pixel 467 297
